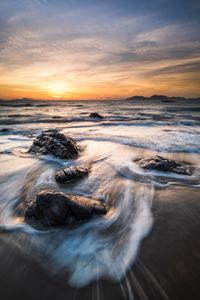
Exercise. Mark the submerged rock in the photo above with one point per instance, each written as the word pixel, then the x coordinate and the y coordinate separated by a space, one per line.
pixel 70 174
pixel 51 209
pixel 160 163
pixel 95 116
pixel 52 142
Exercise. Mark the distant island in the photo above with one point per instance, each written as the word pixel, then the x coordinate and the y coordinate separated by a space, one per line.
pixel 160 98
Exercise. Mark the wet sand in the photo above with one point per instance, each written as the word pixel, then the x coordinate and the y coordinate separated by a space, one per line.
pixel 167 267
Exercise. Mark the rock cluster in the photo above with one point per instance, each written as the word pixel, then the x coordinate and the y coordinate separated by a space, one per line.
pixel 52 208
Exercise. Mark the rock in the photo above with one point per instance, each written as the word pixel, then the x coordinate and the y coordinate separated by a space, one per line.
pixel 71 173
pixel 15 116
pixel 51 209
pixel 53 142
pixel 160 163
pixel 95 116
pixel 28 105
pixel 41 105
pixel 5 130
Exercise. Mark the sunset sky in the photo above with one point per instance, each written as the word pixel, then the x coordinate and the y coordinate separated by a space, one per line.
pixel 84 49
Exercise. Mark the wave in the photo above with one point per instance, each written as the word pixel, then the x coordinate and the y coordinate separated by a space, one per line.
pixel 103 247
pixel 157 178
pixel 170 144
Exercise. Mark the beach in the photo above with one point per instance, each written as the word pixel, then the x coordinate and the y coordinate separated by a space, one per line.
pixel 147 245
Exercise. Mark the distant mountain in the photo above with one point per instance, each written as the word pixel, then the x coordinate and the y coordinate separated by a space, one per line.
pixel 17 102
pixel 21 102
pixel 160 98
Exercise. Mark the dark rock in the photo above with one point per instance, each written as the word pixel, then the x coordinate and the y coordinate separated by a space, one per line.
pixel 95 116
pixel 28 104
pixel 70 174
pixel 51 209
pixel 160 163
pixel 15 116
pixel 5 130
pixel 41 105
pixel 53 142
pixel 167 101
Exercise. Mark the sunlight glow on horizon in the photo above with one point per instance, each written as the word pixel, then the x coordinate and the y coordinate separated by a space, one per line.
pixel 57 89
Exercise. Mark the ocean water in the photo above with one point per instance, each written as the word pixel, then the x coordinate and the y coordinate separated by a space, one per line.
pixel 105 247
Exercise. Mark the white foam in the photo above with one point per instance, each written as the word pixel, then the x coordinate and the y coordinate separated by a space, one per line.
pixel 90 252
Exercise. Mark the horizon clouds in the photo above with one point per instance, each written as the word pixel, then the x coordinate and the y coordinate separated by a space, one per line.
pixel 99 49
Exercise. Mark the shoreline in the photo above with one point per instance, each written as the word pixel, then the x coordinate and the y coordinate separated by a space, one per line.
pixel 167 265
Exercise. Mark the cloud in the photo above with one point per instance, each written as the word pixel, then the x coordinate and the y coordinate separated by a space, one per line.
pixel 93 43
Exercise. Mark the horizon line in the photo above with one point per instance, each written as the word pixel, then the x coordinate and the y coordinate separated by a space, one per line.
pixel 101 99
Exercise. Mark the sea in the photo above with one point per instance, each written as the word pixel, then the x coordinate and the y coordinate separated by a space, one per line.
pixel 90 261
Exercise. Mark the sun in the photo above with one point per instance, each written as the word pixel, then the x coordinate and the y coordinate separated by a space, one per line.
pixel 57 89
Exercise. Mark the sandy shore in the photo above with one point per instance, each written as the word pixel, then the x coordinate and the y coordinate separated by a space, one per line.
pixel 168 264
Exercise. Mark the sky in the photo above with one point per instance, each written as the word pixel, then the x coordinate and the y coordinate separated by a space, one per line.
pixel 100 49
